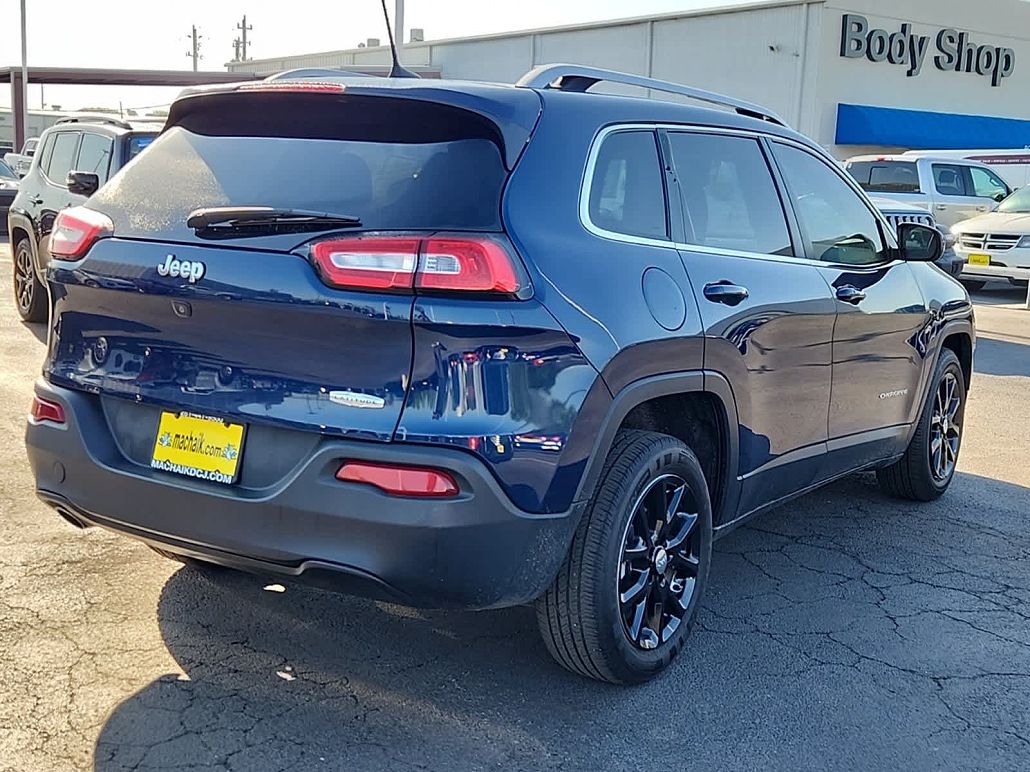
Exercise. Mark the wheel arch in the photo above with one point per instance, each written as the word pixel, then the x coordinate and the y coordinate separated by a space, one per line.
pixel 697 407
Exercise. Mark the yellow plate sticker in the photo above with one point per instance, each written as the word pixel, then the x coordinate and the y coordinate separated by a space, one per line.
pixel 979 259
pixel 198 446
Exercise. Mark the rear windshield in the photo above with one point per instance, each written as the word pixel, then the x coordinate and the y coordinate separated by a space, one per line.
pixel 886 176
pixel 388 179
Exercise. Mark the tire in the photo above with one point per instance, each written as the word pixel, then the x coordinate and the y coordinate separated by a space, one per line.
pixel 918 475
pixel 582 615
pixel 29 294
pixel 973 285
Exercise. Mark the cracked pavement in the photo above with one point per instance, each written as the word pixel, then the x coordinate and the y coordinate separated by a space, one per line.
pixel 842 630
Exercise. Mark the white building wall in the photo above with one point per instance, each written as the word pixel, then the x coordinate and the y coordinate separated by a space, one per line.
pixel 863 82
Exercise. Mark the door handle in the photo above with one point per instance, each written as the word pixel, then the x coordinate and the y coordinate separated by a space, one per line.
pixel 850 294
pixel 37 200
pixel 725 292
pixel 941 207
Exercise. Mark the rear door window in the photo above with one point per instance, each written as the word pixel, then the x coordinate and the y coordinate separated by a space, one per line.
pixel 95 155
pixel 65 146
pixel 627 194
pixel 730 199
pixel 950 180
pixel 46 153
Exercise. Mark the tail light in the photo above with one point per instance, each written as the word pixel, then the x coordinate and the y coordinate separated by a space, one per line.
pixel 400 480
pixel 43 410
pixel 76 229
pixel 456 263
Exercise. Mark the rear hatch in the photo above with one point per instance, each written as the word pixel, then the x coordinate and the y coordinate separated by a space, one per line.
pixel 242 321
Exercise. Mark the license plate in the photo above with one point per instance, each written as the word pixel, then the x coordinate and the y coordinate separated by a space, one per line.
pixel 198 446
pixel 979 260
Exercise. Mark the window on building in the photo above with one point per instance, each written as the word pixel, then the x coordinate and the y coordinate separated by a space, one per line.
pixel 730 199
pixel 65 145
pixel 626 192
pixel 838 226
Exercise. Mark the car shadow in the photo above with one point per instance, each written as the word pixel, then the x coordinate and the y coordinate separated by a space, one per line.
pixel 38 330
pixel 1002 357
pixel 996 293
pixel 280 677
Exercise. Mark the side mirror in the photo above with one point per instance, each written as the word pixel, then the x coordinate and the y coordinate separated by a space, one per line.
pixel 83 183
pixel 999 196
pixel 920 242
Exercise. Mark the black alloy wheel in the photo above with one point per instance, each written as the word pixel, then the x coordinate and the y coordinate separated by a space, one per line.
pixel 29 295
pixel 928 465
pixel 945 428
pixel 659 564
pixel 629 590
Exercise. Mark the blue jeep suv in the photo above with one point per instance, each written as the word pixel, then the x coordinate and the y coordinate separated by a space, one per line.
pixel 465 345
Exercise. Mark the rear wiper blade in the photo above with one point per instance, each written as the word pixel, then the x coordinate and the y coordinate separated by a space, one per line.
pixel 257 216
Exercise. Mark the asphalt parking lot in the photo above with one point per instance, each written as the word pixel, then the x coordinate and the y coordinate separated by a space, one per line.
pixel 844 630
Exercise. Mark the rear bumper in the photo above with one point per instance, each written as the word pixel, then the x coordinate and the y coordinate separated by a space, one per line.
pixel 476 550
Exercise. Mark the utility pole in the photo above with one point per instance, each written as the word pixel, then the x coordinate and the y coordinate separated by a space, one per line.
pixel 398 24
pixel 195 53
pixel 243 39
pixel 20 106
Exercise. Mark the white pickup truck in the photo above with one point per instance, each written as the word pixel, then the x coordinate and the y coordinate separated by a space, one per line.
pixel 952 189
pixel 21 162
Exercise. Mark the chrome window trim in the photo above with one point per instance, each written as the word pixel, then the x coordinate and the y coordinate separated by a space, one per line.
pixel 827 160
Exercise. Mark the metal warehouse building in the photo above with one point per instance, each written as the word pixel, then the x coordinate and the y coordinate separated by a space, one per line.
pixel 857 75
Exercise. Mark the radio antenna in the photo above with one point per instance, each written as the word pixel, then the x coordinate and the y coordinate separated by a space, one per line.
pixel 396 71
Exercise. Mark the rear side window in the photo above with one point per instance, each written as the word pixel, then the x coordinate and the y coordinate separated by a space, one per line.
pixel 730 199
pixel 886 176
pixel 63 157
pixel 95 155
pixel 392 169
pixel 627 194
pixel 136 144
pixel 46 153
pixel 837 225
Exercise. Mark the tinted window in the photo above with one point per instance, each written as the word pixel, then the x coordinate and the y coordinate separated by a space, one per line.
pixel 6 172
pixel 950 180
pixel 47 152
pixel 837 225
pixel 94 155
pixel 136 144
pixel 63 156
pixel 446 184
pixel 728 193
pixel 626 192
pixel 987 184
pixel 886 176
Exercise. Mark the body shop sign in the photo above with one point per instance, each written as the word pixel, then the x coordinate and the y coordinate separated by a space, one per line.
pixel 951 50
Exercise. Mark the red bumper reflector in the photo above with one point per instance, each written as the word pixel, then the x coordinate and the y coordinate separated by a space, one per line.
pixel 400 480
pixel 45 410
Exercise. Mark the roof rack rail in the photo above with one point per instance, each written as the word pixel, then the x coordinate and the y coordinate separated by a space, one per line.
pixel 316 72
pixel 86 118
pixel 574 77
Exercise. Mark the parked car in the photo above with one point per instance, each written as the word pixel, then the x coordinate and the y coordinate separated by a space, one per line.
pixel 77 155
pixel 20 162
pixel 996 245
pixel 368 335
pixel 1013 166
pixel 898 213
pixel 952 189
pixel 8 189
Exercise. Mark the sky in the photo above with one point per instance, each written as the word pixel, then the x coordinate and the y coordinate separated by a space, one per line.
pixel 133 34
